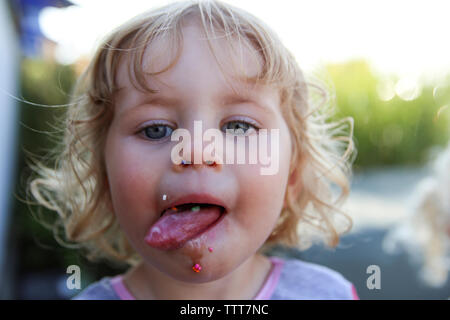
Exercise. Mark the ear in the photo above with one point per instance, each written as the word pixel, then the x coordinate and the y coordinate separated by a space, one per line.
pixel 293 177
pixel 292 181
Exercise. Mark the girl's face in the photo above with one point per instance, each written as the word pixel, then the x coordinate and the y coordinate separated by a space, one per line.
pixel 140 170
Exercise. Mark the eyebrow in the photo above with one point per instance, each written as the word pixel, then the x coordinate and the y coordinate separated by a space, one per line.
pixel 238 99
pixel 156 99
pixel 226 100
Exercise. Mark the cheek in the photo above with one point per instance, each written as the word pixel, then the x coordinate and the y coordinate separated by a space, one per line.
pixel 262 196
pixel 132 172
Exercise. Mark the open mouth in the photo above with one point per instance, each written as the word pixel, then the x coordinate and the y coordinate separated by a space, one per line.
pixel 192 207
pixel 181 223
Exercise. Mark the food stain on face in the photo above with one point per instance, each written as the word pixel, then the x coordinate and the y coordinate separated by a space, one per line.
pixel 196 256
pixel 197 268
pixel 192 251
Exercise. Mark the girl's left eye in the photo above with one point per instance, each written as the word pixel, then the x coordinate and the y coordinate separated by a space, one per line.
pixel 239 127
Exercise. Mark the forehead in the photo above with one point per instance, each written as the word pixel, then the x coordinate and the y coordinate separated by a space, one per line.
pixel 214 64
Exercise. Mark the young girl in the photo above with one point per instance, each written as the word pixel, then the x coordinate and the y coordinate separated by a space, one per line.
pixel 198 230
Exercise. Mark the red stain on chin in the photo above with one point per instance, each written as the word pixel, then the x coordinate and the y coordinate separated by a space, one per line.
pixel 197 268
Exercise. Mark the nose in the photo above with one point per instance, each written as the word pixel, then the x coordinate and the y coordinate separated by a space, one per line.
pixel 195 157
pixel 188 163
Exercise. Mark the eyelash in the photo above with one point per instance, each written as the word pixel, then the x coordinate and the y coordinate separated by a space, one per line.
pixel 250 122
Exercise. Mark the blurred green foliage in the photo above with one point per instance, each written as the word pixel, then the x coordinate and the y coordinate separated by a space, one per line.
pixel 43 83
pixel 390 130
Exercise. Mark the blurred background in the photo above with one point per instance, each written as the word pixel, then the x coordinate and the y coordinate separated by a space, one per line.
pixel 387 61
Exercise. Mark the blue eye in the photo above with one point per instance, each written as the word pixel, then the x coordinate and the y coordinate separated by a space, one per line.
pixel 157 131
pixel 236 125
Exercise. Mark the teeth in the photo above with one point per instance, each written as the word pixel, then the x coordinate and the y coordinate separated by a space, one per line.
pixel 191 206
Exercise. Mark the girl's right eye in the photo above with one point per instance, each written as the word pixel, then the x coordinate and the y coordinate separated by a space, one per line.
pixel 157 131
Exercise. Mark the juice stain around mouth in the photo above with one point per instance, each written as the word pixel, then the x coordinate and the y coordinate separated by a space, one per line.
pixel 197 268
pixel 195 258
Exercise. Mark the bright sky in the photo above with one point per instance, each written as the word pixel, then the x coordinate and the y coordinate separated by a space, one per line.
pixel 409 38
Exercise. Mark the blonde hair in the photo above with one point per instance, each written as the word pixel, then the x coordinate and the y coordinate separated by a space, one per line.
pixel 76 187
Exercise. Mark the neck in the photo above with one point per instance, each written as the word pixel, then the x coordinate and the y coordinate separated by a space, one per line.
pixel 147 283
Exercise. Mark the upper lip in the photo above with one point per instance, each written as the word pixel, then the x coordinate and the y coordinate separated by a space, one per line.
pixel 205 198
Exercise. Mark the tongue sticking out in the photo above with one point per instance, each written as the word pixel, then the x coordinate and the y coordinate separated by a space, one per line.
pixel 176 227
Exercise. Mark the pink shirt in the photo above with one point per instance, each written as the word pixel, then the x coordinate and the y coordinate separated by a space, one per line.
pixel 288 279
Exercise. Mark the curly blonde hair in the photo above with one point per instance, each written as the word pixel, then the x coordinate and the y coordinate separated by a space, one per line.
pixel 76 188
